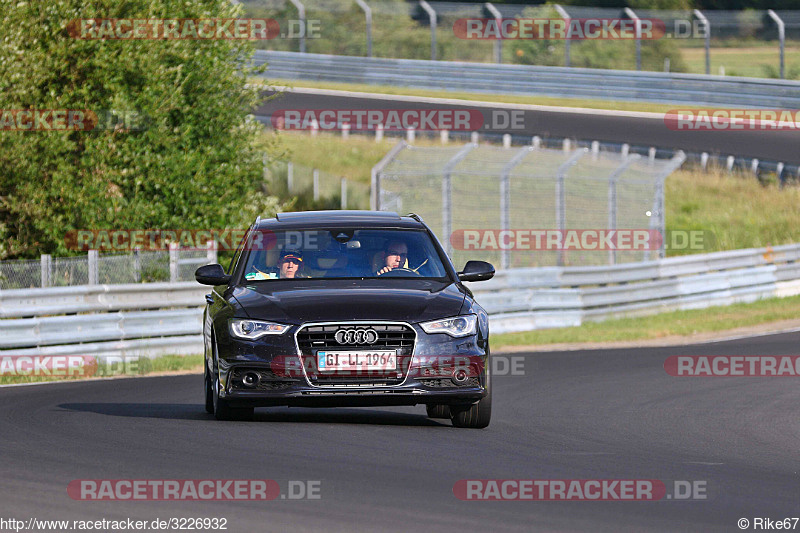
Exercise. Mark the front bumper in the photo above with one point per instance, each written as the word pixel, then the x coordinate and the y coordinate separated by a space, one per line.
pixel 427 380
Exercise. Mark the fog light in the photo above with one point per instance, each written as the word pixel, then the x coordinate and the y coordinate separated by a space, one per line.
pixel 251 379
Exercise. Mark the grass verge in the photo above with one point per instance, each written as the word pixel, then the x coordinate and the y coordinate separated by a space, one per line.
pixel 674 323
pixel 132 367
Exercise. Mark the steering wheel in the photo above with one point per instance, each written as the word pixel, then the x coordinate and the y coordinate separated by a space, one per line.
pixel 400 272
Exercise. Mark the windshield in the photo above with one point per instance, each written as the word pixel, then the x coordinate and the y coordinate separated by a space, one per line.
pixel 343 253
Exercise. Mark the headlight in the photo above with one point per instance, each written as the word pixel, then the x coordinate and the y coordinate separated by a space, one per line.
pixel 458 326
pixel 243 328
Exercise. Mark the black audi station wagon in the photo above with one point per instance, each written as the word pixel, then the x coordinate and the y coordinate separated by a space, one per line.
pixel 345 308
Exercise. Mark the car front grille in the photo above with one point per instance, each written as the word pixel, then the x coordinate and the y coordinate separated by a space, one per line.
pixel 390 336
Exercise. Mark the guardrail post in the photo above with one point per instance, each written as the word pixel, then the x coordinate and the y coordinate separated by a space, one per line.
pixel 444 136
pixel 633 16
pixel 779 174
pixel 704 160
pixel 410 135
pixel 378 133
pixel 561 196
pixel 505 198
pixel 368 15
pixel 564 15
pixel 46 262
pixel 345 131
pixel 301 14
pixel 315 178
pixel 93 266
pixel 781 37
pixel 707 28
pixel 432 16
pixel 344 193
pixel 754 166
pixel 498 44
pixel 447 189
pixel 729 163
pixel 506 140
pixel 173 262
pixel 474 137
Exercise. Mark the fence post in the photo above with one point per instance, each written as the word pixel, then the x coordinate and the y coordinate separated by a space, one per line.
pixel 301 14
pixel 444 136
pixel 447 189
pixel 375 183
pixel 561 195
pixel 781 37
pixel 289 176
pixel 93 266
pixel 707 28
pixel 344 193
pixel 379 133
pixel 345 130
pixel 564 15
pixel 47 265
pixel 315 174
pixel 498 44
pixel 410 135
pixel 505 197
pixel 137 266
pixel 368 15
pixel 211 251
pixel 432 16
pixel 633 16
pixel 173 262
pixel 612 199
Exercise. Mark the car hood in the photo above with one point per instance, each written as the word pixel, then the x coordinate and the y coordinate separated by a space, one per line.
pixel 334 300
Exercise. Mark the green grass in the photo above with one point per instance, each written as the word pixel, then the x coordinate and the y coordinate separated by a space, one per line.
pixel 752 61
pixel 682 323
pixel 136 367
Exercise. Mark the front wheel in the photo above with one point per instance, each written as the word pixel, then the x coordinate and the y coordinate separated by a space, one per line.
pixel 220 407
pixel 477 415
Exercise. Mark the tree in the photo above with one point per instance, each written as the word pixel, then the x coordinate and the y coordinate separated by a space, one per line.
pixel 192 164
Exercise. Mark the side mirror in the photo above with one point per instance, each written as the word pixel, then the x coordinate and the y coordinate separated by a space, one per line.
pixel 476 271
pixel 212 275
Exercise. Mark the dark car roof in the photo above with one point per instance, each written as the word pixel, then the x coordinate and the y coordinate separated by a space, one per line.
pixel 326 219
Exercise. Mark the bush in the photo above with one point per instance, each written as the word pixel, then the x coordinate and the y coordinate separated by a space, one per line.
pixel 193 166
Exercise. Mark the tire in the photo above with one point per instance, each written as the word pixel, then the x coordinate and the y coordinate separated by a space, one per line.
pixel 220 407
pixel 477 415
pixel 209 392
pixel 438 411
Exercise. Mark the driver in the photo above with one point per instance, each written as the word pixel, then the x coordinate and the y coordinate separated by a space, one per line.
pixel 290 264
pixel 394 256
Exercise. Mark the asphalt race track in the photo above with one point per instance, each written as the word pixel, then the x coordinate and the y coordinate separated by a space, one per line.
pixel 643 131
pixel 605 414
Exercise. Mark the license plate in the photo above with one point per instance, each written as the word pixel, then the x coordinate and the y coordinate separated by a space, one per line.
pixel 376 360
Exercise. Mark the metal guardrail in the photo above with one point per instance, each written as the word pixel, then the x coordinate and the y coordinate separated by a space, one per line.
pixel 517 300
pixel 658 87
pixel 534 298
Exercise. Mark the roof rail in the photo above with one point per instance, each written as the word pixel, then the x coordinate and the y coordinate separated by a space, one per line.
pixel 415 217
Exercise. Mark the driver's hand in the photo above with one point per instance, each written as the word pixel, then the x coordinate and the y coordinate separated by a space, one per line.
pixel 384 270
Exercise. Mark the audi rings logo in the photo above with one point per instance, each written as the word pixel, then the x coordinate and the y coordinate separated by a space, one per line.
pixel 356 336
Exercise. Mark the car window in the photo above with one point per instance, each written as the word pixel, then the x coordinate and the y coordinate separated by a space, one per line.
pixel 344 253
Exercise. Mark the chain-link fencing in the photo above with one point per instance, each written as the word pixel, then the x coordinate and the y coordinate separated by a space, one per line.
pixel 520 206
